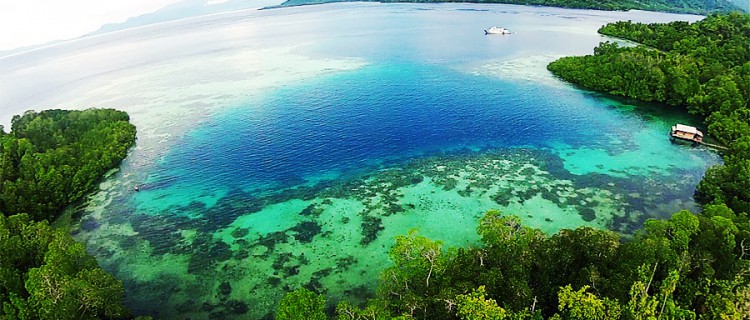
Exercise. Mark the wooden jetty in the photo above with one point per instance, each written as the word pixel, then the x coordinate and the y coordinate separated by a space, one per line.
pixel 713 146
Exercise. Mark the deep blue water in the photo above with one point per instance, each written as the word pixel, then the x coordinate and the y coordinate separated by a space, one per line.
pixel 356 120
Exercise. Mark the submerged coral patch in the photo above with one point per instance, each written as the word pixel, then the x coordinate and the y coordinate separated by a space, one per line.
pixel 225 289
pixel 240 232
pixel 237 307
pixel 333 235
pixel 270 240
pixel 312 209
pixel 371 226
pixel 305 231
pixel 587 213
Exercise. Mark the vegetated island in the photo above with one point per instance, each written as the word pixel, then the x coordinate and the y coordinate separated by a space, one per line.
pixel 676 6
pixel 48 161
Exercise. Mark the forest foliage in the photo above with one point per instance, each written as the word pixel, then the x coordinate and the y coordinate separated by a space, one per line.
pixel 687 267
pixel 49 160
pixel 45 274
pixel 53 158
pixel 703 67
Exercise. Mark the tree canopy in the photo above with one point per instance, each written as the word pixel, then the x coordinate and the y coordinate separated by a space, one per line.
pixel 687 267
pixel 45 274
pixel 703 67
pixel 48 161
pixel 53 158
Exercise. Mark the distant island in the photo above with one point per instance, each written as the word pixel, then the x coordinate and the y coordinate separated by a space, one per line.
pixel 677 6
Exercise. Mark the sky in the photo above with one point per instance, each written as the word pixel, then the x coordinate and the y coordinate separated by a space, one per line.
pixel 30 22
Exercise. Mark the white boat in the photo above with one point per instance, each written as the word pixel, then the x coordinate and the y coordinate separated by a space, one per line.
pixel 496 30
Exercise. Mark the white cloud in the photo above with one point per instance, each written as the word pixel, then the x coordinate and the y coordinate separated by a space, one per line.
pixel 29 22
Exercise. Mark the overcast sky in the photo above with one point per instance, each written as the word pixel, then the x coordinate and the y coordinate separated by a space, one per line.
pixel 29 22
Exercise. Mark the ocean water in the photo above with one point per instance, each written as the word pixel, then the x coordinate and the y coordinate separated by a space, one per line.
pixel 286 148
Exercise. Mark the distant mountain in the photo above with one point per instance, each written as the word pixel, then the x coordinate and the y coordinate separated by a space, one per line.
pixel 186 9
pixel 180 10
pixel 28 48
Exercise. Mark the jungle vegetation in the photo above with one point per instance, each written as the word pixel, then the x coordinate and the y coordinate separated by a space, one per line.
pixel 703 67
pixel 688 267
pixel 48 161
pixel 53 158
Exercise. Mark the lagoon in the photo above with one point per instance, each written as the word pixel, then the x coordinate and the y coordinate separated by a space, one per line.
pixel 287 147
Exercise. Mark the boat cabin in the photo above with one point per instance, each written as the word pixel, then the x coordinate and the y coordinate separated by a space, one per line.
pixel 496 30
pixel 686 133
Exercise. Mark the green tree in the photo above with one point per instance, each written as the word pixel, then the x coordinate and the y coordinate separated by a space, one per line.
pixel 410 282
pixel 642 305
pixel 44 274
pixel 475 306
pixel 583 305
pixel 53 158
pixel 729 184
pixel 376 310
pixel 301 304
pixel 703 67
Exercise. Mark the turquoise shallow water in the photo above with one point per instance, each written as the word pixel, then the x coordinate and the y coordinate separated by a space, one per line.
pixel 286 148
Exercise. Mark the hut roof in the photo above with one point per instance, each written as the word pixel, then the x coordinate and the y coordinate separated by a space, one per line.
pixel 688 129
